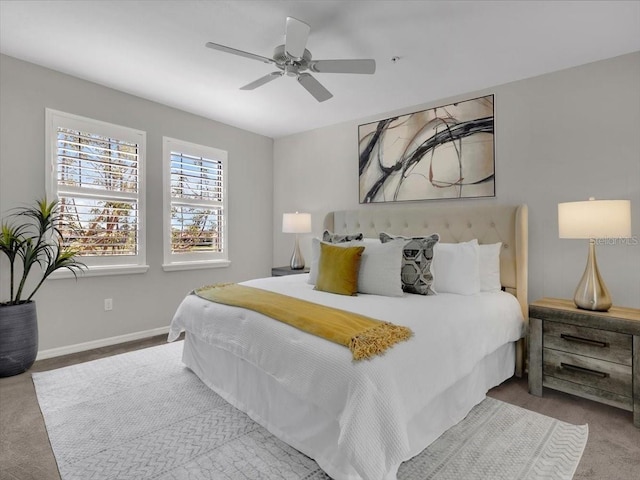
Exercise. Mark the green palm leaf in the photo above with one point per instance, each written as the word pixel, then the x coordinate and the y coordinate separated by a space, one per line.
pixel 36 238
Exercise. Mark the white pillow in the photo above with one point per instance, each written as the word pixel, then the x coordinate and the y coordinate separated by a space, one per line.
pixel 380 266
pixel 456 268
pixel 490 267
pixel 315 258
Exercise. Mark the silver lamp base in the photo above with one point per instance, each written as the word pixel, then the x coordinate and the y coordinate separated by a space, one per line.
pixel 297 260
pixel 592 294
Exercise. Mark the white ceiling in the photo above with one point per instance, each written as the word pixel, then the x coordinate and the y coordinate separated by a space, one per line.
pixel 155 49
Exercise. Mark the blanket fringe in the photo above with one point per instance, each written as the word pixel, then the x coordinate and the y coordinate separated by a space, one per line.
pixel 377 340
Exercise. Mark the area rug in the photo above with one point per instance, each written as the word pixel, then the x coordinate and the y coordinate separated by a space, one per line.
pixel 143 415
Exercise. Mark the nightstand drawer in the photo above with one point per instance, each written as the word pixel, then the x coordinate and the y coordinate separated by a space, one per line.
pixel 590 342
pixel 591 372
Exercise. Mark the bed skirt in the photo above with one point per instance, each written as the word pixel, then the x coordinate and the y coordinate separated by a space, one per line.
pixel 314 431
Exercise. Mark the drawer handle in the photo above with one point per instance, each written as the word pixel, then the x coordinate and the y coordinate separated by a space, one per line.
pixel 568 366
pixel 593 343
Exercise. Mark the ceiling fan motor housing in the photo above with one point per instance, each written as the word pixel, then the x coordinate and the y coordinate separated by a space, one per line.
pixel 290 65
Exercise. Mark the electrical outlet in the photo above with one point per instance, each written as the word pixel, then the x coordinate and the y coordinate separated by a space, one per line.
pixel 108 304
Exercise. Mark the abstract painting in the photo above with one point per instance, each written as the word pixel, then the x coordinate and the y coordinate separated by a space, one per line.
pixel 442 152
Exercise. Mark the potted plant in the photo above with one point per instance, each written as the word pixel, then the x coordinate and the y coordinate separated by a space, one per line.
pixel 30 236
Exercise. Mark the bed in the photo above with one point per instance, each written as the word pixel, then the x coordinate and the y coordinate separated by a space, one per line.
pixel 361 420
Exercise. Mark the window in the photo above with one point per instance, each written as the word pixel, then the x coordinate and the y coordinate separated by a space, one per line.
pixel 195 189
pixel 96 171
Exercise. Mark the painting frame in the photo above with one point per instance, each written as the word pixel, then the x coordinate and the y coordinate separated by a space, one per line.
pixel 439 153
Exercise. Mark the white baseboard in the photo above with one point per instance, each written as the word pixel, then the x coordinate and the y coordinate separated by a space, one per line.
pixel 103 342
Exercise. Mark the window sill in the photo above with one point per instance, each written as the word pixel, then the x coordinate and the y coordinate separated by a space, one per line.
pixel 99 271
pixel 196 265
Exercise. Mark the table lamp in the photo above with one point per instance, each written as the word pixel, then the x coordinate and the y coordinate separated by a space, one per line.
pixel 296 223
pixel 594 219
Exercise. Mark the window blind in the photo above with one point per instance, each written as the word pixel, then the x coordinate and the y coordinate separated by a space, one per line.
pixel 197 204
pixel 97 186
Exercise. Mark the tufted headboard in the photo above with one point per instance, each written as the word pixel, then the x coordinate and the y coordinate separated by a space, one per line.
pixel 458 223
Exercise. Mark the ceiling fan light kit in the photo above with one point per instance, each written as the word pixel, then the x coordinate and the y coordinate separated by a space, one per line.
pixel 293 59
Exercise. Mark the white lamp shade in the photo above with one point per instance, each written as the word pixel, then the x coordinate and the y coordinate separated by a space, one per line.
pixel 595 219
pixel 296 222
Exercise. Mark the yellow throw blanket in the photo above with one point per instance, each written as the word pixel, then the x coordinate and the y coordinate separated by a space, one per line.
pixel 364 336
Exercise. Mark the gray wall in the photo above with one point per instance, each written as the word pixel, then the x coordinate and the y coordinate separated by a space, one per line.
pixel 564 136
pixel 71 312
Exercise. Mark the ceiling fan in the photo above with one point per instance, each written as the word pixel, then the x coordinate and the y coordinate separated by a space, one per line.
pixel 293 59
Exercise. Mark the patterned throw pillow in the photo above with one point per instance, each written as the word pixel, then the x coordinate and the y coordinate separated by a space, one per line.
pixel 330 237
pixel 417 256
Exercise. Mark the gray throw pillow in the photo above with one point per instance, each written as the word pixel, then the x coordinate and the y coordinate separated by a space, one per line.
pixel 417 256
pixel 330 237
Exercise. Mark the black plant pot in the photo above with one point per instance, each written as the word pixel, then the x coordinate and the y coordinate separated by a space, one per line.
pixel 18 338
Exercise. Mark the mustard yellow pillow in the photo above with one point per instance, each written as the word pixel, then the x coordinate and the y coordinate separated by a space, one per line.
pixel 338 269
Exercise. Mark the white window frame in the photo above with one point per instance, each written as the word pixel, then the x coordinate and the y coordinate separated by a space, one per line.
pixel 193 260
pixel 103 264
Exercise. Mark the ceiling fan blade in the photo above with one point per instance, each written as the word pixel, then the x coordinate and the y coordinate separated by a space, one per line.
pixel 261 81
pixel 314 87
pixel 367 66
pixel 240 53
pixel 296 35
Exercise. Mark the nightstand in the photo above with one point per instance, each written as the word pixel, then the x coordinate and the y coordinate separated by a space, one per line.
pixel 282 271
pixel 594 355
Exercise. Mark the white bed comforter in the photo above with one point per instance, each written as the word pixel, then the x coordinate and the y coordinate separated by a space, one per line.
pixel 372 399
